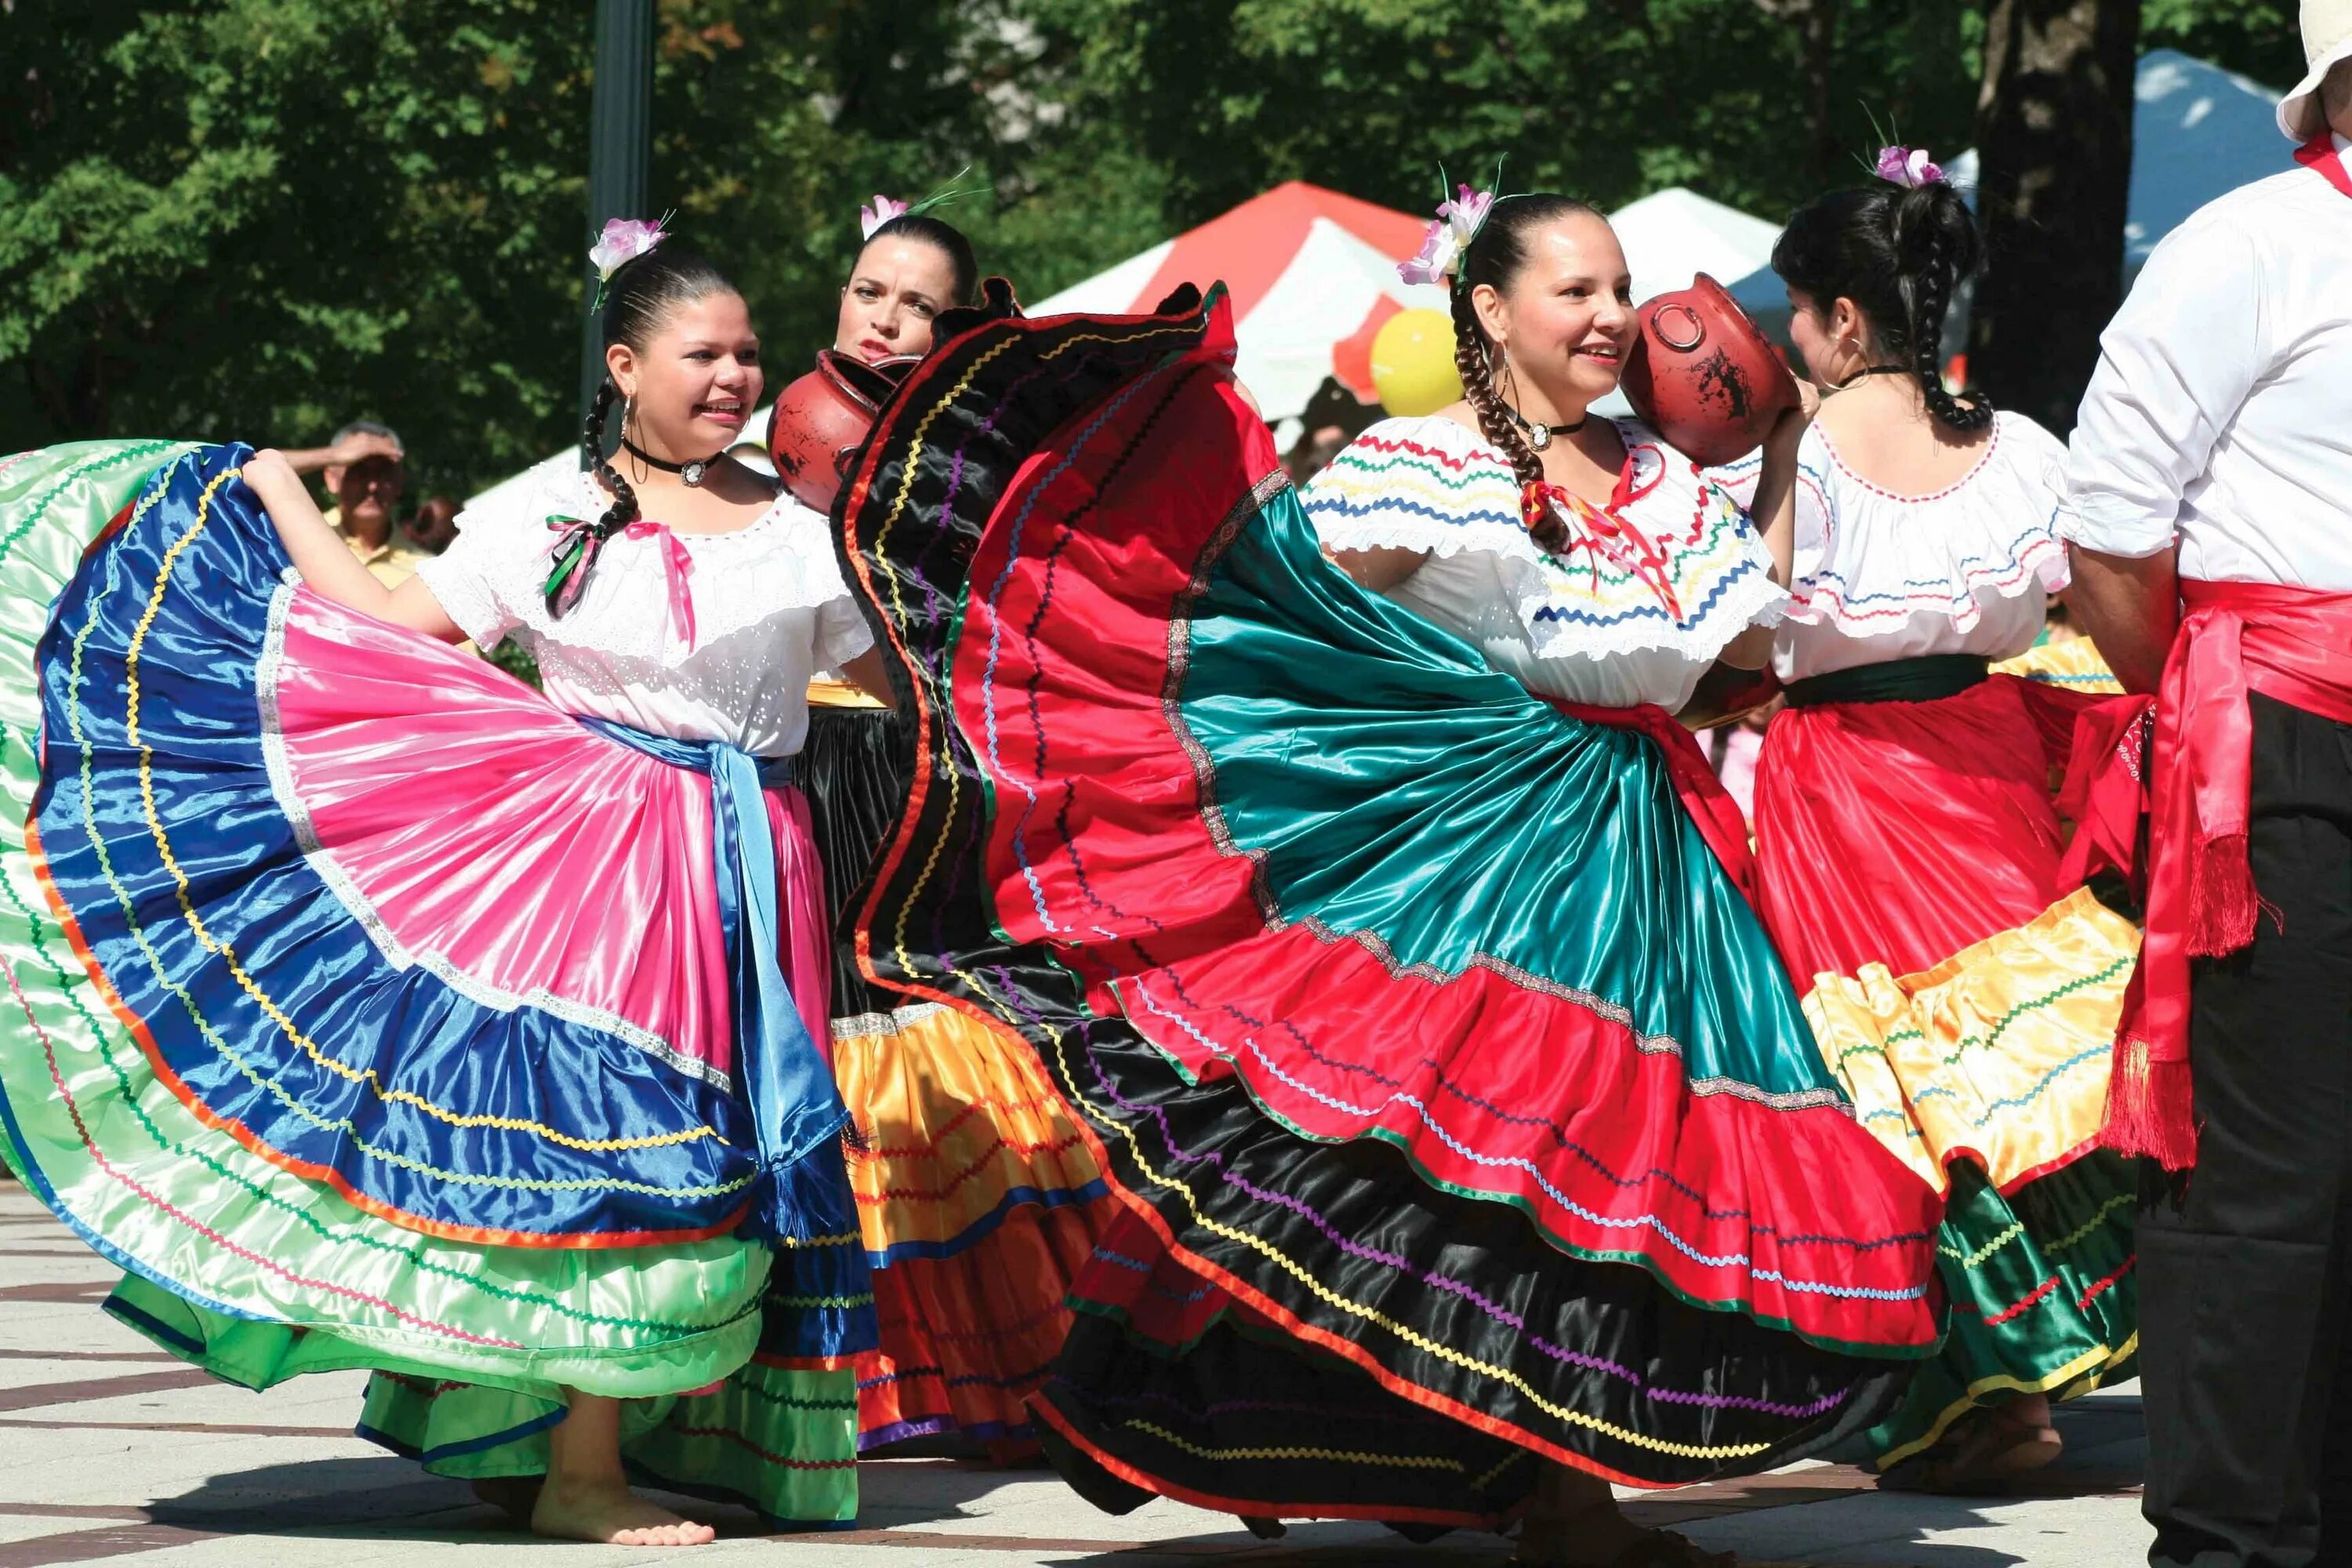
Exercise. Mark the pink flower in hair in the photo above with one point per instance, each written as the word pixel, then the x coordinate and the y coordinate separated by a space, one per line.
pixel 1444 240
pixel 1909 167
pixel 624 240
pixel 883 210
pixel 1466 211
pixel 1441 247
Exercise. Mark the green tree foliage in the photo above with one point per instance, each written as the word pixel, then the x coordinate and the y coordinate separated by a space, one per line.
pixel 263 218
pixel 2255 37
pixel 1756 103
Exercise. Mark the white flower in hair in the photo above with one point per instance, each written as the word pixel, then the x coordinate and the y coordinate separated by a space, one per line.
pixel 883 210
pixel 1444 240
pixel 624 240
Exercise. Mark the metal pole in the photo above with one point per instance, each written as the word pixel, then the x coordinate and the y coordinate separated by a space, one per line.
pixel 620 147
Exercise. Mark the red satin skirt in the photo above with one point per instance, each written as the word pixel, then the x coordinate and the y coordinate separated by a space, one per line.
pixel 1908 856
pixel 1899 832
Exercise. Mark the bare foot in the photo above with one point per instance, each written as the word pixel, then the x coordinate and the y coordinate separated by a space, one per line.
pixel 612 1514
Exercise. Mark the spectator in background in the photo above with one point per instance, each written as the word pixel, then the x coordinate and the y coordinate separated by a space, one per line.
pixel 434 525
pixel 362 471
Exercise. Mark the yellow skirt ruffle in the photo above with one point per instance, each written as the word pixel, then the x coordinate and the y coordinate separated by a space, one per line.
pixel 2000 1054
pixel 954 1126
pixel 2073 664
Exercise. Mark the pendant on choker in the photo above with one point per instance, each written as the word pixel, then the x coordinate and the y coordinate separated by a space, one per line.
pixel 1539 435
pixel 691 474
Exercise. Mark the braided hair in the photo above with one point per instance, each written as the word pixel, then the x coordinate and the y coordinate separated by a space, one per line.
pixel 639 298
pixel 1899 253
pixel 942 237
pixel 1496 256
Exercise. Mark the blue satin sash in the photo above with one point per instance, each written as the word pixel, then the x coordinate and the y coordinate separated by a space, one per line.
pixel 795 1105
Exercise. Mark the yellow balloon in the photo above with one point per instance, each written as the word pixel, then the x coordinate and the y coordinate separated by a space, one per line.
pixel 1413 363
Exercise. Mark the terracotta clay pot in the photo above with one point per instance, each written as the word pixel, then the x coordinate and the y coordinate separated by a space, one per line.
pixel 1705 376
pixel 821 419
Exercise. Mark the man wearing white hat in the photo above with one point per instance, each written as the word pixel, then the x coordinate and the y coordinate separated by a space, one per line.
pixel 2210 519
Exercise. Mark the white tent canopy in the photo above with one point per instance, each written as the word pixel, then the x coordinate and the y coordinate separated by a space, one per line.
pixel 1670 237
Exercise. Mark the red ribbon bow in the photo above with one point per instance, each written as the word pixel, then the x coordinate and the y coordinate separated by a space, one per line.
pixel 1607 532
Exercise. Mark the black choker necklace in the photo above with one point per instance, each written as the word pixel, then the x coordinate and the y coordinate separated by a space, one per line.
pixel 692 473
pixel 1540 435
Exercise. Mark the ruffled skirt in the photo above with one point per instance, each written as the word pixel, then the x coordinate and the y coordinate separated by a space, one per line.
pixel 1909 858
pixel 1414 1020
pixel 977 1197
pixel 371 1013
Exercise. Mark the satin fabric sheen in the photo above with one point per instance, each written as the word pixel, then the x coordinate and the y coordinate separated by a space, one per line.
pixel 1912 862
pixel 1490 933
pixel 1109 449
pixel 225 1040
pixel 1852 801
pixel 2292 645
pixel 977 1196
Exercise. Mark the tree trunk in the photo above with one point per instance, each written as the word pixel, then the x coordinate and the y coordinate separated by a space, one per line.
pixel 2053 132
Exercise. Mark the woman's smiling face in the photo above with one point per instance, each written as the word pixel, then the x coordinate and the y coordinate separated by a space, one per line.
pixel 1567 320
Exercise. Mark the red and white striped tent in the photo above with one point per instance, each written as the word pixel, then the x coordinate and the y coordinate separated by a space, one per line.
pixel 1313 275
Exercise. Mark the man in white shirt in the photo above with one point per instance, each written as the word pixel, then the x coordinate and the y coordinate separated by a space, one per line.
pixel 2210 519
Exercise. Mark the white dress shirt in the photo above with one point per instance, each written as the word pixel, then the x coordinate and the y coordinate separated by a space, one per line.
pixel 2221 416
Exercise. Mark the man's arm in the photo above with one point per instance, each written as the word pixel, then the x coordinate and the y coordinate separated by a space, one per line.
pixel 2130 607
pixel 352 448
pixel 2174 366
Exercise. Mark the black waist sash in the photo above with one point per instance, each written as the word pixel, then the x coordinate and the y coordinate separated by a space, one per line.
pixel 1922 679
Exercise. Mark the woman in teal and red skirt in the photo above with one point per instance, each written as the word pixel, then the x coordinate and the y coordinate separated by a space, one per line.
pixel 1392 945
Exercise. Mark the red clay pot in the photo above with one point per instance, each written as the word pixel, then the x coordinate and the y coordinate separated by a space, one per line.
pixel 820 420
pixel 1705 376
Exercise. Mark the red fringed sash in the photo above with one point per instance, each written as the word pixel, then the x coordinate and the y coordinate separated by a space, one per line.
pixel 2289 643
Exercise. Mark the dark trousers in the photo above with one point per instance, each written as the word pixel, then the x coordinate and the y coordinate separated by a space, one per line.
pixel 2246 1286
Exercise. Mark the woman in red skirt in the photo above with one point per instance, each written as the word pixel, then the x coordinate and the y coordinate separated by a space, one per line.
pixel 1963 986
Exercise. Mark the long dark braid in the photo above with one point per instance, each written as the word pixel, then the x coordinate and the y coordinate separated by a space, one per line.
pixel 623 510
pixel 1899 255
pixel 638 298
pixel 1473 360
pixel 1938 275
pixel 1494 257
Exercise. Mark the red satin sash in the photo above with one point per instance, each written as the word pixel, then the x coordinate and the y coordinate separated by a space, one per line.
pixel 1712 810
pixel 2292 645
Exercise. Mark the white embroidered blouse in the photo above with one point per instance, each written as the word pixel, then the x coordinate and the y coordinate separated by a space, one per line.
pixel 1875 576
pixel 767 606
pixel 1580 626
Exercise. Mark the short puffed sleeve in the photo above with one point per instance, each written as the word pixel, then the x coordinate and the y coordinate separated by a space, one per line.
pixel 841 633
pixel 481 579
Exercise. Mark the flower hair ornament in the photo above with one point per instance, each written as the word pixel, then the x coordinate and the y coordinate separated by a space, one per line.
pixel 1909 167
pixel 623 240
pixel 885 208
pixel 1448 237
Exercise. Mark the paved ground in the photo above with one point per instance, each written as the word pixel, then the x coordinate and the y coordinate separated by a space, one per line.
pixel 109 1449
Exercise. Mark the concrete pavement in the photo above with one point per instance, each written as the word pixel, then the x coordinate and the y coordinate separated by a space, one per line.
pixel 111 1450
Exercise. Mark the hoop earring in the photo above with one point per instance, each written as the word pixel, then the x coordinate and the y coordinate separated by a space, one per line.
pixel 1861 371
